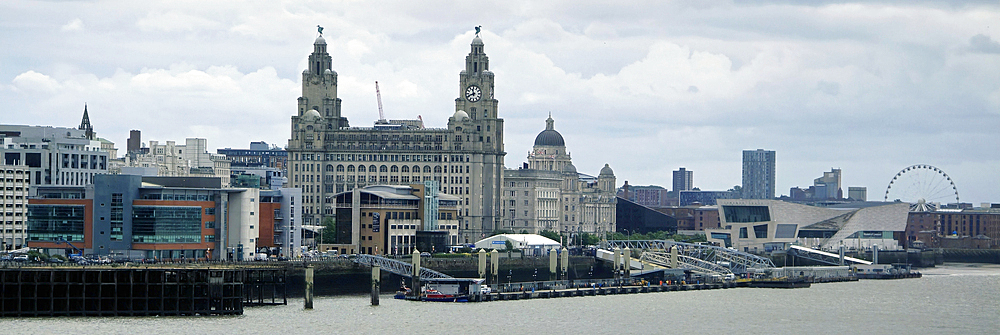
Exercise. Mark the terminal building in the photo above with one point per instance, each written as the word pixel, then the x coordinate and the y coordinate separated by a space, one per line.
pixel 138 217
pixel 327 157
pixel 767 225
pixel 395 220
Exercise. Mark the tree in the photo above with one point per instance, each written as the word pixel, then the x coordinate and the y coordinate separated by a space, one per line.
pixel 589 239
pixel 501 232
pixel 508 245
pixel 551 235
pixel 329 232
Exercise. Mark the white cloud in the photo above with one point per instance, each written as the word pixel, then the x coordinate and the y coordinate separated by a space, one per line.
pixel 73 25
pixel 867 87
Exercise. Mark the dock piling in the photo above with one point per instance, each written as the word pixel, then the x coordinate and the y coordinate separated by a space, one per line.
pixel 376 283
pixel 309 287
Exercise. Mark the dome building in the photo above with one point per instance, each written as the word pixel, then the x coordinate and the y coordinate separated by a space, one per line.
pixel 547 193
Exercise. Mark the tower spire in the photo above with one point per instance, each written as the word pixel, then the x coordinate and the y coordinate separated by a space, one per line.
pixel 85 124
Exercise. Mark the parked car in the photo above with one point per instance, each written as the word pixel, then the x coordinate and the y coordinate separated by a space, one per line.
pixel 21 258
pixel 425 254
pixel 55 260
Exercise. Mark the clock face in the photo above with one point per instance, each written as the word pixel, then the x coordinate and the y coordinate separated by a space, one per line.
pixel 473 93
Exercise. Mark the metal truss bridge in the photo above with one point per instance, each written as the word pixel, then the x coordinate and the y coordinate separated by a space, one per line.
pixel 705 259
pixel 395 266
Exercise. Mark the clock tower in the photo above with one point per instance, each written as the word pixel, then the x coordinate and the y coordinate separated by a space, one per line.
pixel 484 129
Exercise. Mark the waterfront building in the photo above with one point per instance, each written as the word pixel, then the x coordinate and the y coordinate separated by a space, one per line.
pixel 683 180
pixel 14 185
pixel 693 219
pixel 280 227
pixel 634 218
pixel 758 225
pixel 758 174
pixel 549 193
pixel 327 157
pixel 963 228
pixel 857 193
pixel 149 217
pixel 531 200
pixel 395 220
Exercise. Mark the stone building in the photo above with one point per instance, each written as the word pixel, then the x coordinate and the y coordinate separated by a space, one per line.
pixel 549 194
pixel 327 156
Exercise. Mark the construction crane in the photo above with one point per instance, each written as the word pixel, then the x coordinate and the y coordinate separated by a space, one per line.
pixel 378 95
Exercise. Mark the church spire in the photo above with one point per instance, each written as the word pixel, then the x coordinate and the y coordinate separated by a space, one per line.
pixel 85 124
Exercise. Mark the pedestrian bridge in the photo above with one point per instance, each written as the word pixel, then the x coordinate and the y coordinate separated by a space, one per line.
pixel 704 259
pixel 396 266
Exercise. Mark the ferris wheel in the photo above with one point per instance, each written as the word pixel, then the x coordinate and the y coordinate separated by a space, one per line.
pixel 921 185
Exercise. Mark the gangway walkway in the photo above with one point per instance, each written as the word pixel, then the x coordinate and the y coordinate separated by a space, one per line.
pixel 643 266
pixel 822 256
pixel 398 267
pixel 700 258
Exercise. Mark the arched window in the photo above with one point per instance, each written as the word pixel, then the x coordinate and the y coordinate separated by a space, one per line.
pixel 405 169
pixel 372 168
pixel 416 169
pixel 427 169
pixel 329 167
pixel 361 168
pixel 437 169
pixel 350 168
pixel 340 168
pixel 383 168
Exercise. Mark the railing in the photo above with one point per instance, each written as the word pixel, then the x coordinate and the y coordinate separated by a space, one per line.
pixel 398 267
pixel 698 256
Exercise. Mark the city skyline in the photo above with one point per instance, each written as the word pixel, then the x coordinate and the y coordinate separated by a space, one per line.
pixel 867 88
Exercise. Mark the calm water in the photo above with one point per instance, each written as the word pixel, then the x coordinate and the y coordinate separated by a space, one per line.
pixel 950 299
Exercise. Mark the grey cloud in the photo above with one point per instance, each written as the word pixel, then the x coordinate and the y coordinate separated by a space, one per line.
pixel 984 44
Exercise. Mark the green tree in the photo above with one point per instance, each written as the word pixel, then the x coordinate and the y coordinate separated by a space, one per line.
pixel 551 235
pixel 589 239
pixel 501 232
pixel 329 233
pixel 509 246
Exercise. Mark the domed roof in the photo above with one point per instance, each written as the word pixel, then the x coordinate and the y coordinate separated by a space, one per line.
pixel 311 116
pixel 477 41
pixel 320 40
pixel 328 71
pixel 607 171
pixel 569 168
pixel 460 115
pixel 549 136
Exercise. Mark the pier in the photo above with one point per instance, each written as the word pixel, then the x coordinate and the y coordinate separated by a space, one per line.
pixel 64 291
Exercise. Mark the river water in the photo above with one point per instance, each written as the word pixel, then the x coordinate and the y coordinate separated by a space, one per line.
pixel 950 299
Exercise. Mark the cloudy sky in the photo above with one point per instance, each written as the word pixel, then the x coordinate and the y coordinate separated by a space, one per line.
pixel 646 86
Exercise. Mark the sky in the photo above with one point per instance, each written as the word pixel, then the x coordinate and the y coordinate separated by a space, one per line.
pixel 648 87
